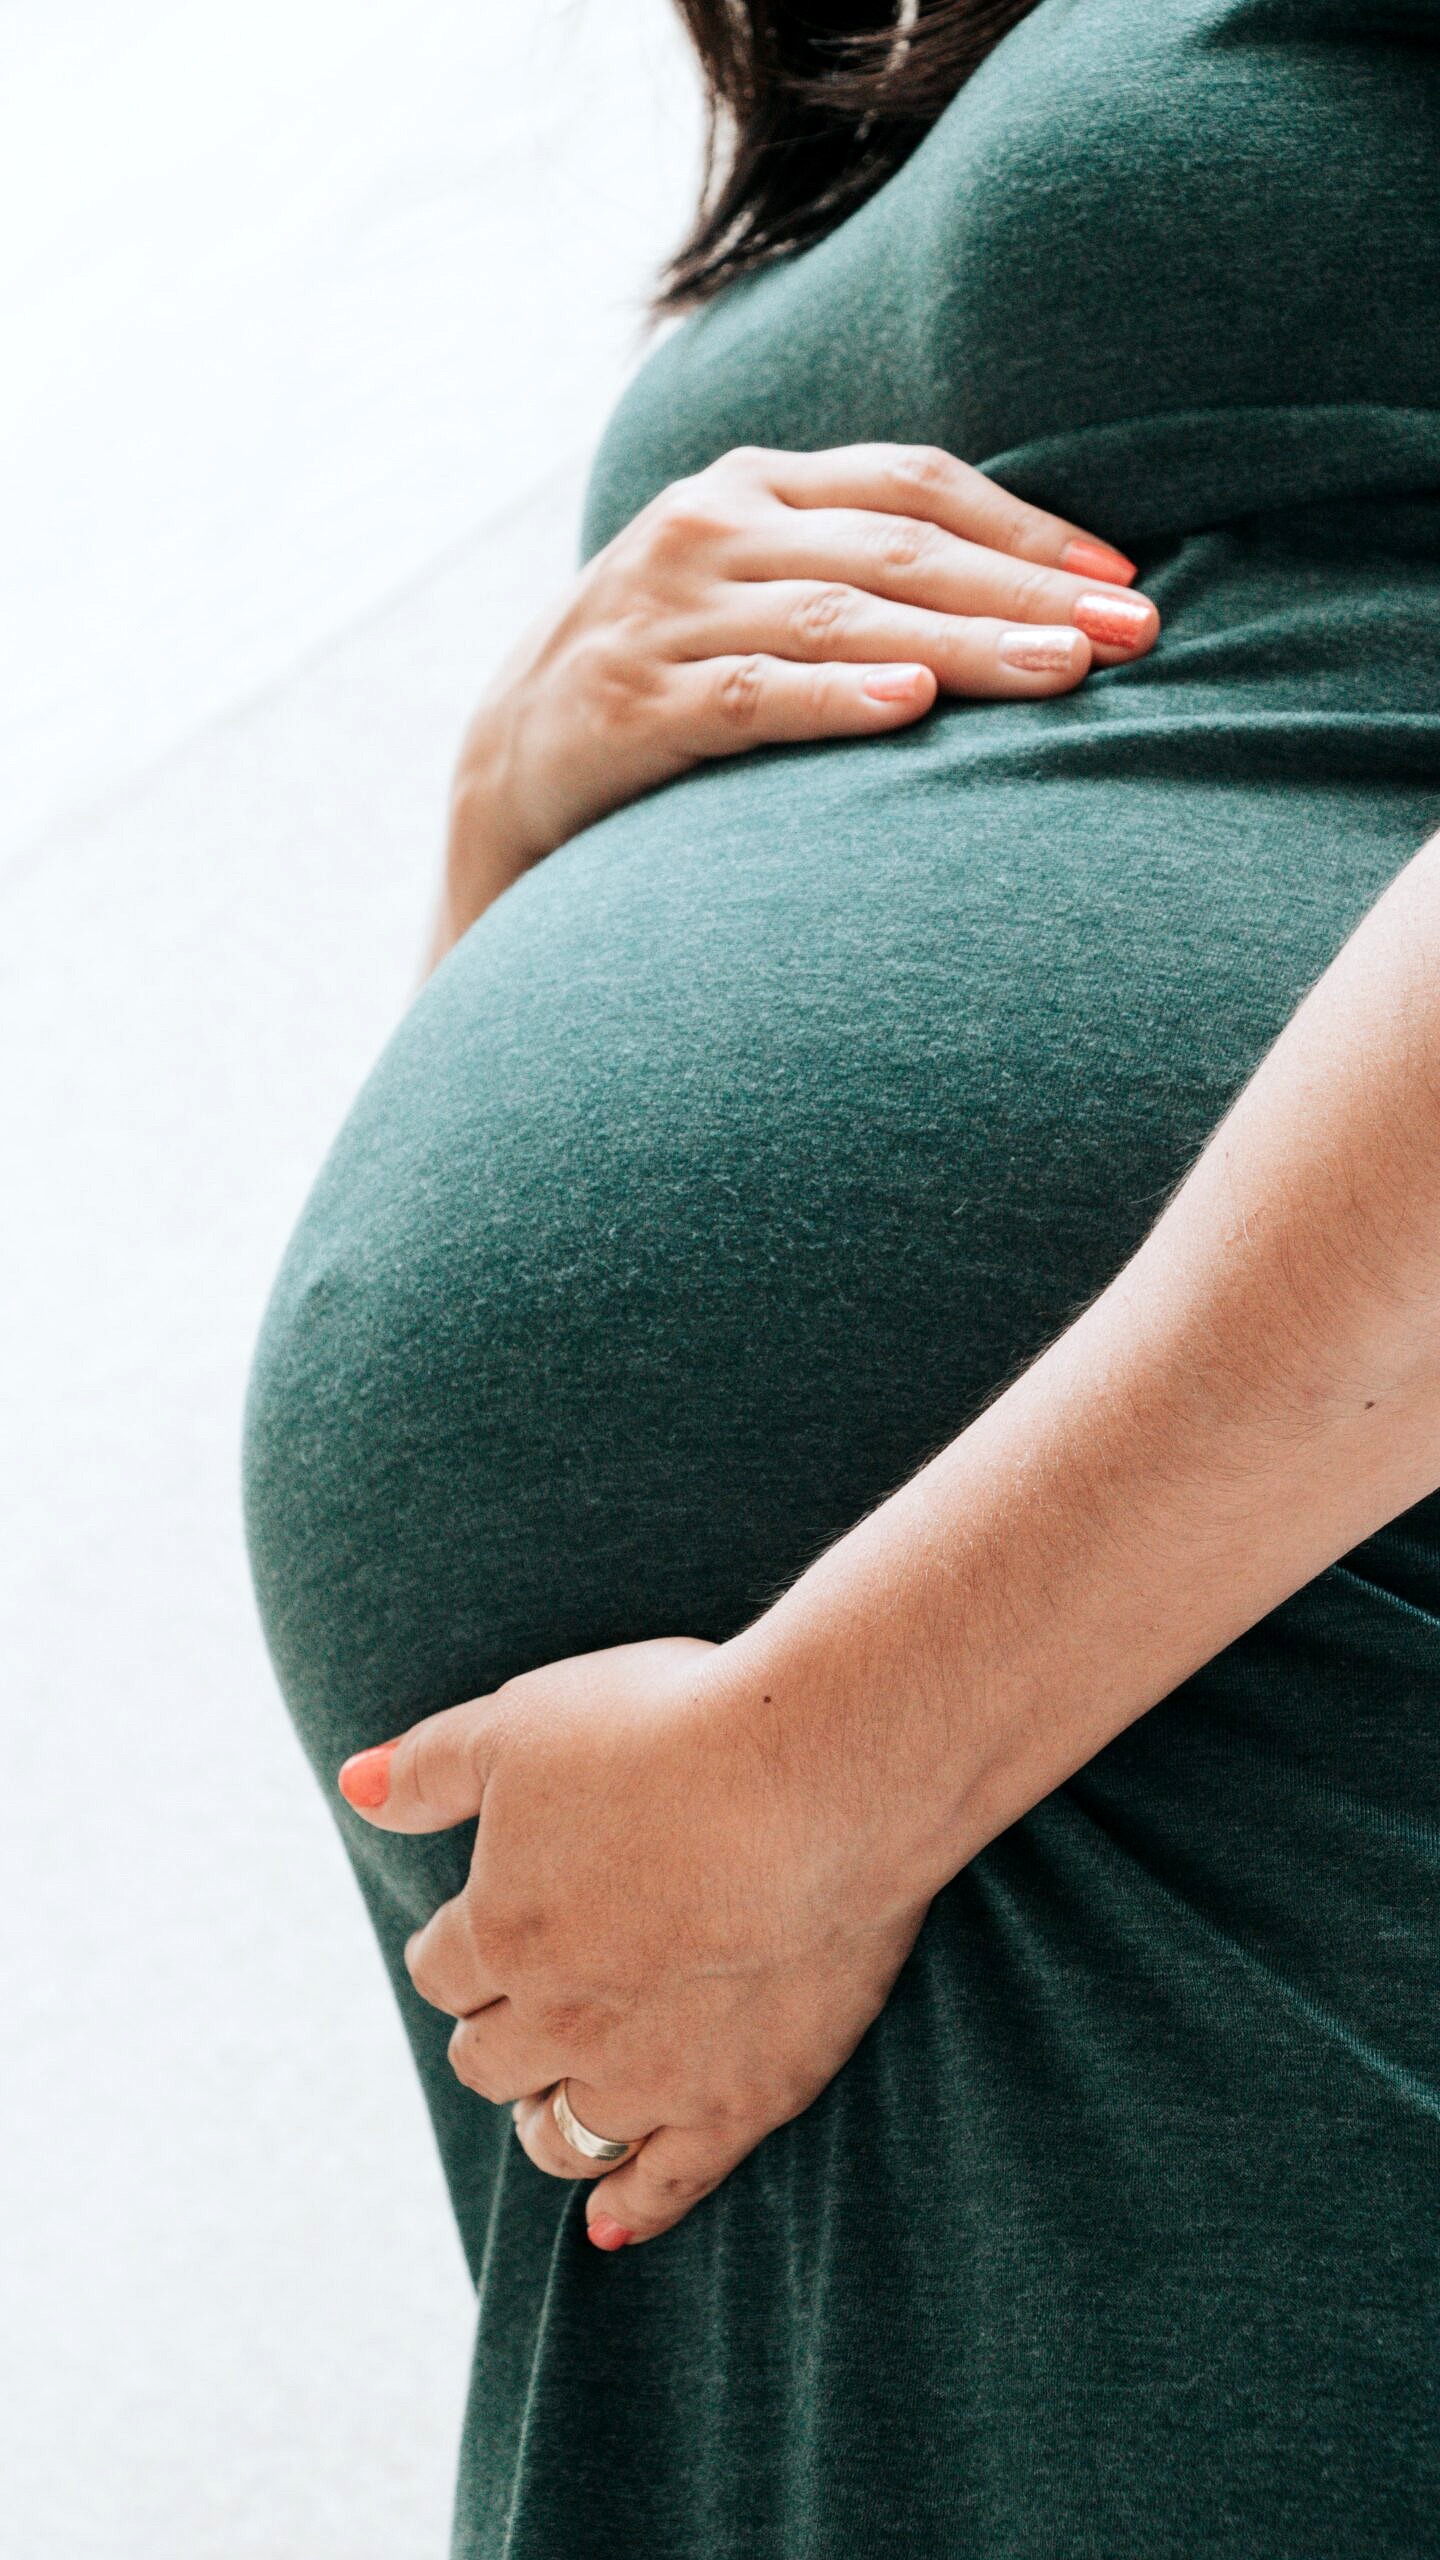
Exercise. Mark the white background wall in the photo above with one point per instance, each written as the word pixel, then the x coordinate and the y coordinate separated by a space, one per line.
pixel 310 311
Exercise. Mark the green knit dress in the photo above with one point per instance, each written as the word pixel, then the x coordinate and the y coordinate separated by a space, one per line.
pixel 730 1163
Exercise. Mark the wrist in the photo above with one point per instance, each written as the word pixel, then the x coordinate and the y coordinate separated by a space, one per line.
pixel 954 1657
pixel 486 847
pixel 868 1749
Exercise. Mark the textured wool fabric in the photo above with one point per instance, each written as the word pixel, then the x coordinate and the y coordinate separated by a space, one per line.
pixel 723 1171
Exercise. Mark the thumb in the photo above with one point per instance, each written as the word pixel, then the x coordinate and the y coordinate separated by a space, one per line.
pixel 431 1778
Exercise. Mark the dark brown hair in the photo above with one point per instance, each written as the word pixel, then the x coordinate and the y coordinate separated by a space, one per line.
pixel 809 110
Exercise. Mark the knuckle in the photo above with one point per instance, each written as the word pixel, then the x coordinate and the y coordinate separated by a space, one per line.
pixel 904 546
pixel 745 2108
pixel 502 1943
pixel 822 615
pixel 510 1940
pixel 687 516
pixel 819 699
pixel 733 2107
pixel 745 461
pixel 472 2068
pixel 430 1751
pixel 566 2022
pixel 725 2110
pixel 1008 523
pixel 683 2186
pixel 739 693
pixel 623 682
pixel 425 1975
pixel 1035 588
pixel 927 469
pixel 477 1746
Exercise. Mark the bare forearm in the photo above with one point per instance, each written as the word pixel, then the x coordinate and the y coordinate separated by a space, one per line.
pixel 1256 1392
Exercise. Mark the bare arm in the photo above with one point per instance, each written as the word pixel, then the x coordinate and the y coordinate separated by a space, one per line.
pixel 1255 1393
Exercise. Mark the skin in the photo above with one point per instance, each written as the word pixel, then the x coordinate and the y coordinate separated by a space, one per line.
pixel 698 1869
pixel 764 601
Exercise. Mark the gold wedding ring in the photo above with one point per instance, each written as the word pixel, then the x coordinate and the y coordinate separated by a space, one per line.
pixel 594 2146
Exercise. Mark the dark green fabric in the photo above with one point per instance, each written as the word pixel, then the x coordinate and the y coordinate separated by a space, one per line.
pixel 726 1167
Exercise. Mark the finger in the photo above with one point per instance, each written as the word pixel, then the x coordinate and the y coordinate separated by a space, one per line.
pixel 664 2181
pixel 454 1963
pixel 967 653
pixel 721 705
pixel 542 2141
pixel 502 2057
pixel 428 1780
pixel 925 481
pixel 919 564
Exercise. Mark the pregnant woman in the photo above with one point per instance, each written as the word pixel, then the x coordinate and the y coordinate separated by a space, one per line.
pixel 862 1385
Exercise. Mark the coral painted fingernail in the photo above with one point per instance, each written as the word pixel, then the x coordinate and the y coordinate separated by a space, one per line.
pixel 1086 559
pixel 1041 648
pixel 891 684
pixel 1118 622
pixel 607 2233
pixel 365 1778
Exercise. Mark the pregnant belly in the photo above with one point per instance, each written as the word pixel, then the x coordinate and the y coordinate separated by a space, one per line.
pixel 732 1160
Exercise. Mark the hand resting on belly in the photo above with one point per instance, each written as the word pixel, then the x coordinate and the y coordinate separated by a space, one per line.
pixel 771 598
pixel 646 1902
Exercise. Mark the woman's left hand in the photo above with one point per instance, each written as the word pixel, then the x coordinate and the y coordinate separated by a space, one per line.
pixel 657 1914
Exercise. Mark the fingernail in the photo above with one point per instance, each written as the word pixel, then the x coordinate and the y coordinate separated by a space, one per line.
pixel 1042 648
pixel 365 1778
pixel 1118 622
pixel 1087 559
pixel 891 684
pixel 607 2233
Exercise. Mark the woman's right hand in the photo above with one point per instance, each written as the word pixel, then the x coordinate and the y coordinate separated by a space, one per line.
pixel 775 597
